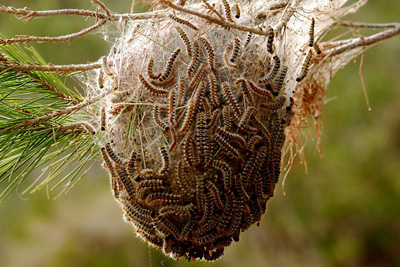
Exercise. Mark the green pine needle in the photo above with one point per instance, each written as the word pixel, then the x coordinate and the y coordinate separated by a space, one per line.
pixel 63 153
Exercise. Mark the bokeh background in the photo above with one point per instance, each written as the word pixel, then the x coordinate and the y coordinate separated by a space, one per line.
pixel 345 211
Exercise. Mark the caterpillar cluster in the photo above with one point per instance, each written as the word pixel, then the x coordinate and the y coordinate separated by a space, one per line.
pixel 214 122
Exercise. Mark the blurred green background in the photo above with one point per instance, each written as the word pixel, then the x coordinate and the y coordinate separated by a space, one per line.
pixel 344 212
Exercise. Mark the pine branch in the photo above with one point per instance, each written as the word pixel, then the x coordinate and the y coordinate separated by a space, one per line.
pixel 37 126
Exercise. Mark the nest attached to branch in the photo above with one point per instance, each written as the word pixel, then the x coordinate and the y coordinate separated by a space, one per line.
pixel 196 124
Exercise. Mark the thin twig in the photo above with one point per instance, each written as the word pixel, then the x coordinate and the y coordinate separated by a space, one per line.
pixel 284 20
pixel 29 14
pixel 365 25
pixel 360 72
pixel 61 111
pixel 364 41
pixel 210 7
pixel 63 38
pixel 211 19
pixel 62 69
pixel 103 6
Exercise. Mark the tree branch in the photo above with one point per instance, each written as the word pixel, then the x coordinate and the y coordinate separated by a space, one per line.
pixel 63 38
pixel 62 69
pixel 212 19
pixel 29 14
pixel 362 41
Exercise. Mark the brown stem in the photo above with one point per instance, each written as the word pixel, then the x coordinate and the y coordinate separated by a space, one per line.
pixel 363 41
pixel 365 25
pixel 29 14
pixel 211 19
pixel 62 69
pixel 63 38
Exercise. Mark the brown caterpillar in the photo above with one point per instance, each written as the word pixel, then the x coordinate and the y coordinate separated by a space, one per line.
pixel 227 9
pixel 150 72
pixel 163 197
pixel 170 64
pixel 165 83
pixel 305 67
pixel 157 118
pixel 237 9
pixel 225 144
pixel 235 50
pixel 184 22
pixel 311 33
pixel 165 161
pixel 185 40
pixel 227 92
pixel 195 58
pixel 156 91
pixel 260 91
pixel 210 52
pixel 282 77
pixel 270 42
pixel 226 171
pixel 113 156
pixel 103 119
pixel 277 66
pixel 213 91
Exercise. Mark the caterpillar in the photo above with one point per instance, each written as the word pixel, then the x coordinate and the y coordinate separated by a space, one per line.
pixel 216 195
pixel 181 179
pixel 184 22
pixel 177 210
pixel 189 114
pixel 166 227
pixel 185 40
pixel 163 197
pixel 260 91
pixel 233 136
pixel 271 36
pixel 165 83
pixel 227 93
pixel 247 115
pixel 148 184
pixel 277 65
pixel 248 38
pixel 237 9
pixel 165 161
pixel 187 150
pixel 156 91
pixel 214 118
pixel 227 9
pixel 317 49
pixel 246 92
pixel 210 52
pixel 235 50
pixel 150 72
pixel 103 119
pixel 228 48
pixel 113 156
pixel 214 89
pixel 157 118
pixel 311 33
pixel 200 193
pixel 195 58
pixel 172 104
pixel 197 77
pixel 225 144
pixel 305 67
pixel 277 104
pixel 170 64
pixel 226 171
pixel 282 77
